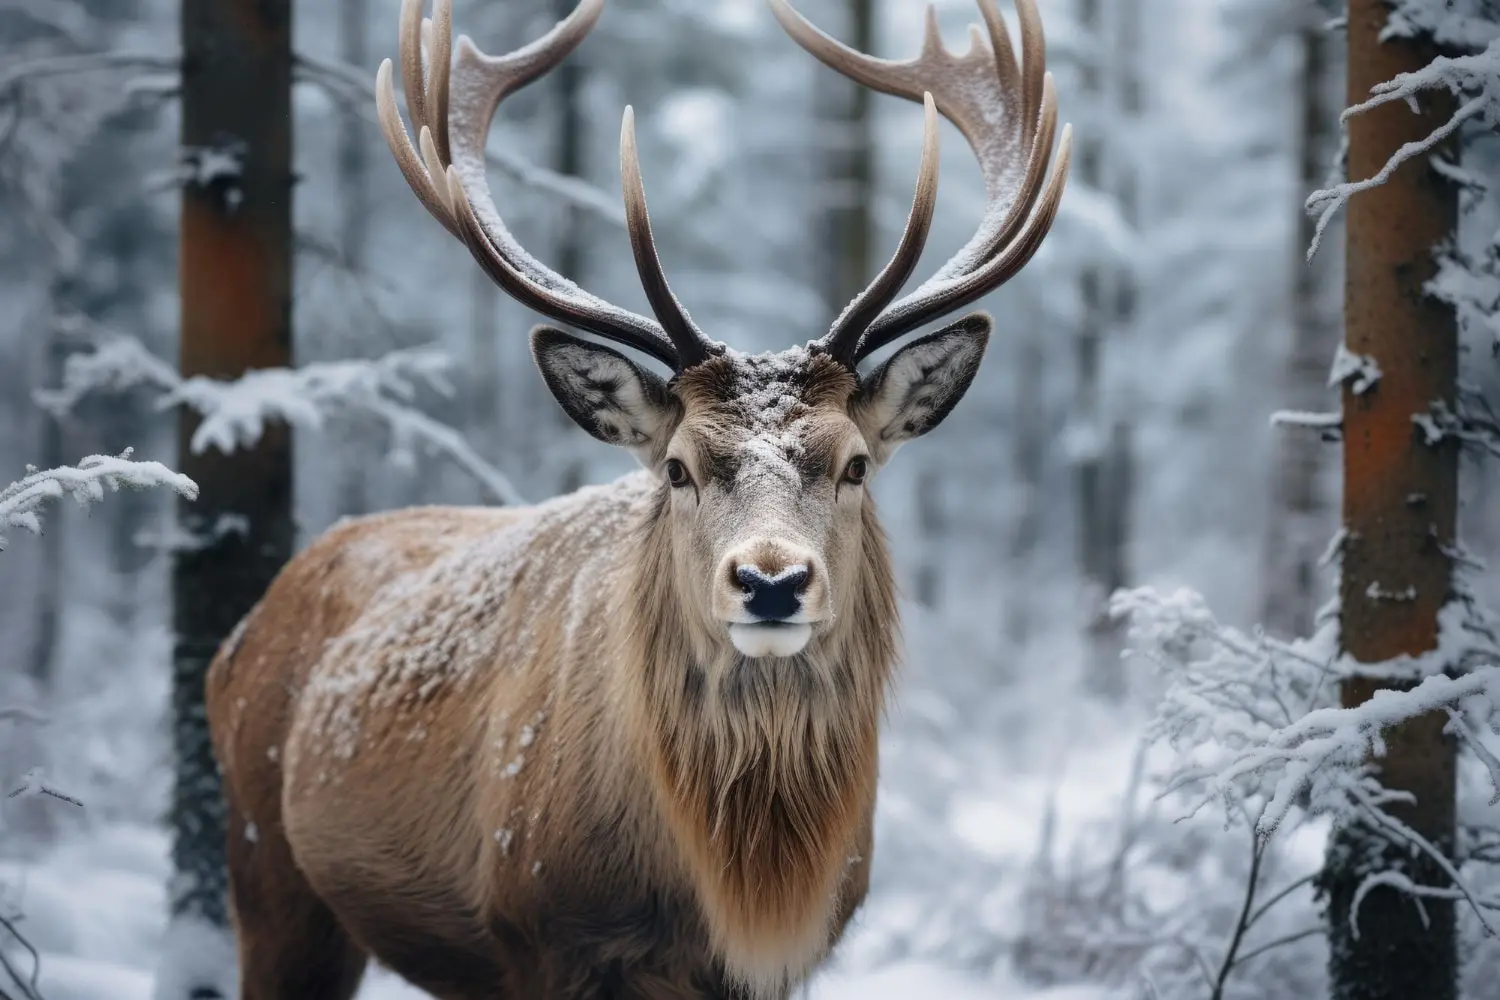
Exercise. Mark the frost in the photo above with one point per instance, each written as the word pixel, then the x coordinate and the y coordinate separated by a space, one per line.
pixel 1376 592
pixel 35 784
pixel 86 483
pixel 1359 370
pixel 1255 723
pixel 504 837
pixel 438 629
pixel 1327 422
pixel 1474 79
pixel 235 413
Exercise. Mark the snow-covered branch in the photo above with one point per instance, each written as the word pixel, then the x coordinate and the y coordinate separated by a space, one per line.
pixel 1474 79
pixel 1255 724
pixel 235 413
pixel 86 483
pixel 1456 24
pixel 351 86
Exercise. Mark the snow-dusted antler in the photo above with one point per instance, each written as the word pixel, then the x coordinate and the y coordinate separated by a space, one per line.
pixel 1008 112
pixel 452 107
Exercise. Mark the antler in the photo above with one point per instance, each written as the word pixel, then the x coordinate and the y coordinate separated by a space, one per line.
pixel 1008 112
pixel 448 176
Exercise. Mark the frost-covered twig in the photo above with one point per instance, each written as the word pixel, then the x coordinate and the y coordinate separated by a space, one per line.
pixel 1326 202
pixel 1330 425
pixel 1473 429
pixel 20 501
pixel 235 413
pixel 35 784
pixel 1474 78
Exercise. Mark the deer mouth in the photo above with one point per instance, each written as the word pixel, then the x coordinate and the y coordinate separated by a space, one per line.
pixel 769 638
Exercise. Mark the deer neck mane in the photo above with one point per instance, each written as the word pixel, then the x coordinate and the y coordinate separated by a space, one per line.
pixel 764 770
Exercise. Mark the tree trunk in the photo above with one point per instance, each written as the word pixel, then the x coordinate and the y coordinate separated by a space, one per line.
pixel 236 278
pixel 846 129
pixel 355 211
pixel 1102 473
pixel 1301 509
pixel 846 113
pixel 1400 504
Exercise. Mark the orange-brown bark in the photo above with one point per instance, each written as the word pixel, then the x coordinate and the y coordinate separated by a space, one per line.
pixel 236 281
pixel 1400 505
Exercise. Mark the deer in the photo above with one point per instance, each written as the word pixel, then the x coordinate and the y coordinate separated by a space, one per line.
pixel 622 743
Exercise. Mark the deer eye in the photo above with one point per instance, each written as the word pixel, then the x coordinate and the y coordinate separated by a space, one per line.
pixel 677 474
pixel 857 469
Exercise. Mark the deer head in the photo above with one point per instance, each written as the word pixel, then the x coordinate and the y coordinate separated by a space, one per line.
pixel 763 461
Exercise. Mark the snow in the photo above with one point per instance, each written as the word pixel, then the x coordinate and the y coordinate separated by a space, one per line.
pixel 235 413
pixel 95 907
pixel 1361 371
pixel 21 501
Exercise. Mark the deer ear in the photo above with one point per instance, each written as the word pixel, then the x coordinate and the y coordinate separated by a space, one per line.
pixel 605 393
pixel 920 384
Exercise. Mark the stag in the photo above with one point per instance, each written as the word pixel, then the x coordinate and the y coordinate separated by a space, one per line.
pixel 622 743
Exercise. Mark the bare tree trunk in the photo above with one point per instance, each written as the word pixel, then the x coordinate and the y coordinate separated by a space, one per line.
pixel 1302 511
pixel 846 127
pixel 1400 505
pixel 236 278
pixel 1103 472
pixel 355 211
pixel 846 114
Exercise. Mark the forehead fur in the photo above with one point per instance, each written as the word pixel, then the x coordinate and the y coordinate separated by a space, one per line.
pixel 767 414
pixel 766 392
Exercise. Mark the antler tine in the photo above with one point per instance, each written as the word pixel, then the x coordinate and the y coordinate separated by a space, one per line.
pixel 843 339
pixel 1007 110
pixel 446 169
pixel 938 298
pixel 692 346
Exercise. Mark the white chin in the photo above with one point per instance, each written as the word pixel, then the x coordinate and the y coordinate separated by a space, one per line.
pixel 756 641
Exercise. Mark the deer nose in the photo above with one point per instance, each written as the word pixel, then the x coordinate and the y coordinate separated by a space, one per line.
pixel 772 598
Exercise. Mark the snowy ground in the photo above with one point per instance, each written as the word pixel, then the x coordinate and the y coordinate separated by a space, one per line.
pixel 95 908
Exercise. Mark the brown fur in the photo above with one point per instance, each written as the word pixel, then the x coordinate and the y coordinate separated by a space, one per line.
pixel 504 752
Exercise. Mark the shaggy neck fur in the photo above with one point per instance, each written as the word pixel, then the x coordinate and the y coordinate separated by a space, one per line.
pixel 765 769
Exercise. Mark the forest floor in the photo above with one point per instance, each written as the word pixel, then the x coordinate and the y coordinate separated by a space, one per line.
pixel 95 905
pixel 972 787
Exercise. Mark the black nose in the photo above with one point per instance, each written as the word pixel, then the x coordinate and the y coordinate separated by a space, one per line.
pixel 772 598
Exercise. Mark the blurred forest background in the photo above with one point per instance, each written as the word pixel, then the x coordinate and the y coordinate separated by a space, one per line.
pixel 1119 434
